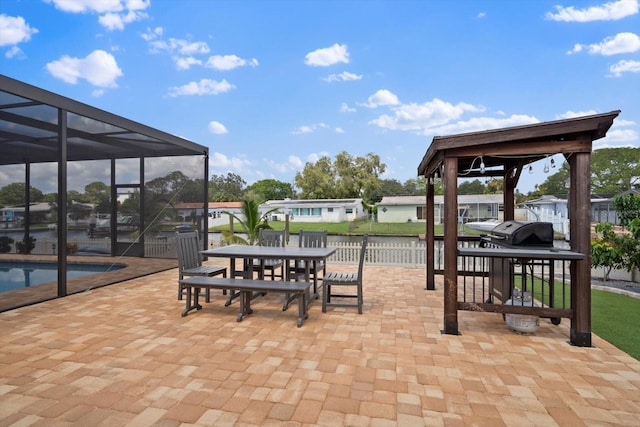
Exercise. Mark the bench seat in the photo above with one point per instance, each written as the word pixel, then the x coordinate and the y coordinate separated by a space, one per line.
pixel 246 288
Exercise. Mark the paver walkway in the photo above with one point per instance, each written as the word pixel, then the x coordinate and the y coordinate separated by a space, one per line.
pixel 121 355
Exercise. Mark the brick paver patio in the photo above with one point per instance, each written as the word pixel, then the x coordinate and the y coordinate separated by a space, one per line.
pixel 122 355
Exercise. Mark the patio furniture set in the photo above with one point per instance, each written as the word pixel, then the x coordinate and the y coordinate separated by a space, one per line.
pixel 299 269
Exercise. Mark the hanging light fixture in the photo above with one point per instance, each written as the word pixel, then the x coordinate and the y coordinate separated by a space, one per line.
pixel 531 169
pixel 482 168
pixel 553 163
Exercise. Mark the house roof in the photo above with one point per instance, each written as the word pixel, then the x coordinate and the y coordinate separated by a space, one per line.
pixel 211 205
pixel 311 203
pixel 31 124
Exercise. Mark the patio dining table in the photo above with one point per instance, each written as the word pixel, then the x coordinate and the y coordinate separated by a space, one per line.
pixel 262 253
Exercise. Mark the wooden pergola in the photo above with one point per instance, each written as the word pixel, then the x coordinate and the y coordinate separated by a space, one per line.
pixel 505 153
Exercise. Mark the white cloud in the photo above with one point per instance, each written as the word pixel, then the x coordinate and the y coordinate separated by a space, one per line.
pixel 622 136
pixel 327 56
pixel 178 46
pixel 607 12
pixel 152 33
pixel 295 162
pixel 14 30
pixel 573 114
pixel 217 128
pixel 477 124
pixel 624 66
pixel 99 68
pixel 339 130
pixel 309 128
pixel 342 77
pixel 620 43
pixel 203 87
pixel 229 62
pixel 381 98
pixel 114 14
pixel 14 52
pixel 222 162
pixel 420 117
pixel 344 108
pixel 481 15
pixel 184 63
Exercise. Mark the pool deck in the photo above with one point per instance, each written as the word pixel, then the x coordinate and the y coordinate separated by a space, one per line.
pixel 135 267
pixel 122 355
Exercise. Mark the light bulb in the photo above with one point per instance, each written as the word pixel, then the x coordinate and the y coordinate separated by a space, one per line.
pixel 482 169
pixel 546 168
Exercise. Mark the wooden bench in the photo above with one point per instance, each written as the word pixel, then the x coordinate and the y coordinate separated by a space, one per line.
pixel 246 287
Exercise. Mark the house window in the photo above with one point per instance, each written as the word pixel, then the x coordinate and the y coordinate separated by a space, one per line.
pixel 329 209
pixel 316 211
pixel 304 211
pixel 421 212
pixel 349 210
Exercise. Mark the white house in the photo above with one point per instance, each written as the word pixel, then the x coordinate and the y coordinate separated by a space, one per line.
pixel 413 208
pixel 321 210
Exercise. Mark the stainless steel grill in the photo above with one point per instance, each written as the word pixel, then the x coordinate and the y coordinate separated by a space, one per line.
pixel 516 234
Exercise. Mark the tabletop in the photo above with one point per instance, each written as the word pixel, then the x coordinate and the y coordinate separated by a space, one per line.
pixel 267 252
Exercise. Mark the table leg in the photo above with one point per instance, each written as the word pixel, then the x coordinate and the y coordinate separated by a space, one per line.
pixel 302 308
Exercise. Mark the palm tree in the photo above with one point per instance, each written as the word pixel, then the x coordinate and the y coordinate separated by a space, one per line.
pixel 251 222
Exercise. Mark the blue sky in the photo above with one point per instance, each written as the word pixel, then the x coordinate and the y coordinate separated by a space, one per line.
pixel 270 85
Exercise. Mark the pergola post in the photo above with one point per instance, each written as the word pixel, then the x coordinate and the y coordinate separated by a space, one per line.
pixel 451 245
pixel 580 231
pixel 430 236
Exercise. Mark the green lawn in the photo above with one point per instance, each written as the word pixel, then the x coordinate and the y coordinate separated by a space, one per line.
pixel 357 228
pixel 616 318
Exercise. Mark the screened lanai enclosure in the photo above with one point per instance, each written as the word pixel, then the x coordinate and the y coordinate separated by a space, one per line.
pixel 99 183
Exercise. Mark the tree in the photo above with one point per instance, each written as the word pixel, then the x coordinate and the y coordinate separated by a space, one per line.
pixel 99 194
pixel 391 187
pixel 13 194
pixel 471 187
pixel 317 180
pixel 614 250
pixel 347 177
pixel 628 208
pixel 269 189
pixel 615 170
pixel 556 184
pixel 416 186
pixel 226 188
pixel 251 222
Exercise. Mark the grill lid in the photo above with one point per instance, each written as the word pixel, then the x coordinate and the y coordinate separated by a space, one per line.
pixel 516 233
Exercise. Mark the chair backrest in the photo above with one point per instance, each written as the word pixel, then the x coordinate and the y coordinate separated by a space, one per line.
pixel 188 250
pixel 312 239
pixel 271 238
pixel 363 252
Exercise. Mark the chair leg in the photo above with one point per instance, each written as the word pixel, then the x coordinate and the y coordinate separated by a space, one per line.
pixel 360 298
pixel 325 291
pixel 180 288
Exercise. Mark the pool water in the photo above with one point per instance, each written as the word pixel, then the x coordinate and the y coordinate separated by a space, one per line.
pixel 17 275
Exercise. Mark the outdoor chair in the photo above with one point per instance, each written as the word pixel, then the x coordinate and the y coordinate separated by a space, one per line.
pixel 190 261
pixel 311 239
pixel 270 238
pixel 332 281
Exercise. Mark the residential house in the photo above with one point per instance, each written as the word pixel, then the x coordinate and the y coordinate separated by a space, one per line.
pixel 474 207
pixel 320 210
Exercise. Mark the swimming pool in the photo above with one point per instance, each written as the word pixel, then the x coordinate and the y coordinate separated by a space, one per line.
pixel 22 274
